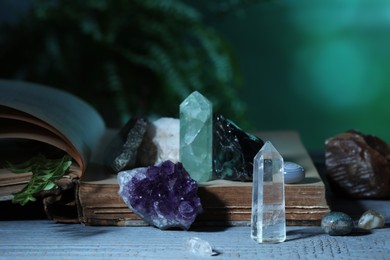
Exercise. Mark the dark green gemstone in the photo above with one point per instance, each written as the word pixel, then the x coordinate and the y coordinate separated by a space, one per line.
pixel 233 150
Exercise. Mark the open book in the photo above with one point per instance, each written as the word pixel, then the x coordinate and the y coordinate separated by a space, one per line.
pixel 35 118
pixel 39 119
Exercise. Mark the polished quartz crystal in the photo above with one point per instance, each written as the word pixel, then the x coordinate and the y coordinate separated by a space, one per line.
pixel 268 224
pixel 196 134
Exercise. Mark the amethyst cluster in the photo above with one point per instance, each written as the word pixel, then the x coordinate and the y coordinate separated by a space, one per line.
pixel 163 195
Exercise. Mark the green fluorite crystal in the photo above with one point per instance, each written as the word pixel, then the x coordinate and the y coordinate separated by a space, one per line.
pixel 196 131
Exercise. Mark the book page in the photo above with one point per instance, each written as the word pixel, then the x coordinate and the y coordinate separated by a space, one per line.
pixel 12 129
pixel 72 119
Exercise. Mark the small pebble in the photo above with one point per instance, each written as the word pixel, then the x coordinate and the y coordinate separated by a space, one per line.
pixel 371 219
pixel 337 223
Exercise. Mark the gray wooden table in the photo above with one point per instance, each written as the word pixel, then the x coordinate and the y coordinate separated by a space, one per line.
pixel 43 239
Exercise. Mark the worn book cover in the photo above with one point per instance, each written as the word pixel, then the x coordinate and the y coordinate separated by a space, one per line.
pixel 224 202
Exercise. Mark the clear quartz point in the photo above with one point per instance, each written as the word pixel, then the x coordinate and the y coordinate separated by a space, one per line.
pixel 268 224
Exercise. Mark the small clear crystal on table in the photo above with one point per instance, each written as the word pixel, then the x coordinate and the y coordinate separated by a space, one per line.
pixel 268 204
pixel 196 136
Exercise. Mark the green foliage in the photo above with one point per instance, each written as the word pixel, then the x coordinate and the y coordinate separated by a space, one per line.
pixel 127 58
pixel 45 173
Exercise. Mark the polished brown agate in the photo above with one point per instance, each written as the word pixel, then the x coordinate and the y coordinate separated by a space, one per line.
pixel 358 165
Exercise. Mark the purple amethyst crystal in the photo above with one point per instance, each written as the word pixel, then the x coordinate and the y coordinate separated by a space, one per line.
pixel 163 195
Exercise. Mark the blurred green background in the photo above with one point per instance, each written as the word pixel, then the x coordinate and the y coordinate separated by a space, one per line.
pixel 318 67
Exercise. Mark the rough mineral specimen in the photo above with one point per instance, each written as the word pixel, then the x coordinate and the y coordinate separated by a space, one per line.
pixel 161 142
pixel 123 149
pixel 196 134
pixel 336 223
pixel 164 195
pixel 357 165
pixel 371 219
pixel 233 150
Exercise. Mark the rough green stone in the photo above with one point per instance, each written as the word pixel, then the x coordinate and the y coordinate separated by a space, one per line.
pixel 196 131
pixel 123 148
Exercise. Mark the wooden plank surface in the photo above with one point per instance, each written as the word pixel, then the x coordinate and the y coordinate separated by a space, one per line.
pixel 42 239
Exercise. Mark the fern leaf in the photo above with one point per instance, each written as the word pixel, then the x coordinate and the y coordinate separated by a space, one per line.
pixel 45 173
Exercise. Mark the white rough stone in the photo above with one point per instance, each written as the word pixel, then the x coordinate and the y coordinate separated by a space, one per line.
pixel 167 139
